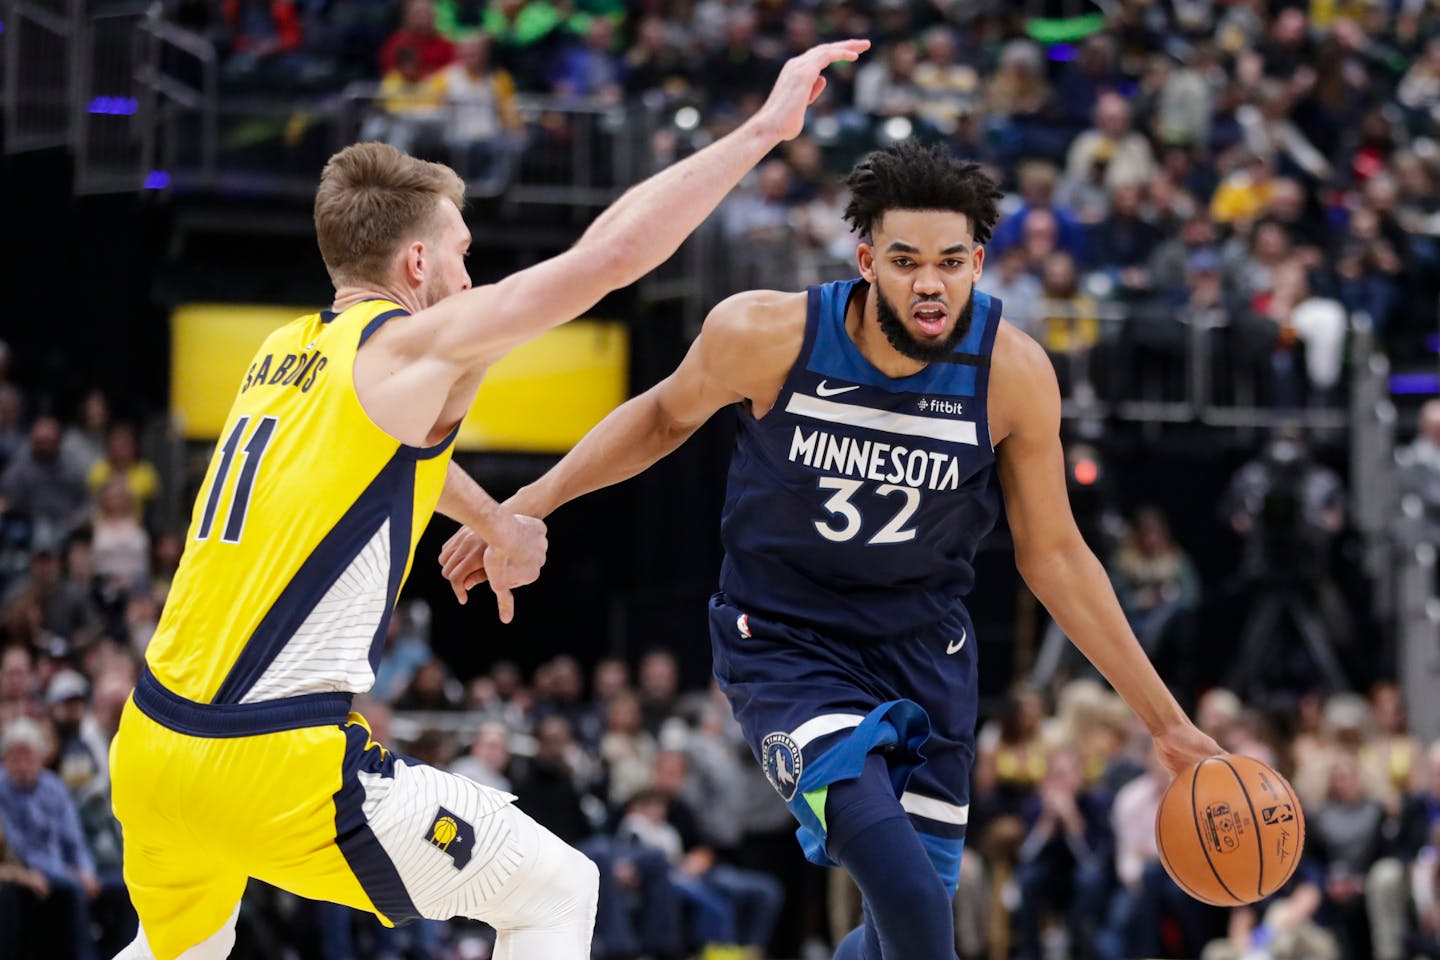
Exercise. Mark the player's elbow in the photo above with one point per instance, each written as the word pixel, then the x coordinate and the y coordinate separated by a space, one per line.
pixel 1042 563
pixel 618 258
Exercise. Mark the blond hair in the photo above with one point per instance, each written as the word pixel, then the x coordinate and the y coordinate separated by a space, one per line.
pixel 371 198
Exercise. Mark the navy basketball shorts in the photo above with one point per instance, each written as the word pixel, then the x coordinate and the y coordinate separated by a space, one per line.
pixel 813 708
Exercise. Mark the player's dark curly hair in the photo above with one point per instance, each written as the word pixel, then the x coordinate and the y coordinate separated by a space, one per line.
pixel 913 176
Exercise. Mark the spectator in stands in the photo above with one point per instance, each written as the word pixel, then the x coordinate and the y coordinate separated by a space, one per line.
pixel 545 783
pixel 83 443
pixel 1127 154
pixel 1169 263
pixel 482 123
pixel 1063 859
pixel 121 545
pixel 264 34
pixel 460 20
pixel 41 824
pixel 23 893
pixel 1071 322
pixel 122 459
pixel 1036 182
pixel 432 688
pixel 1159 589
pixel 525 34
pixel 564 695
pixel 886 87
pixel 1086 80
pixel 1370 269
pixel 417 33
pixel 659 688
pixel 408 117
pixel 1420 467
pixel 1184 110
pixel 67 607
pixel 1268 131
pixel 40 490
pixel 611 678
pixel 744 64
pixel 754 898
pixel 654 62
pixel 627 749
pixel 1280 926
pixel 1318 322
pixel 1018 95
pixel 17 683
pixel 948 88
pixel 1362 888
pixel 591 70
pixel 1019 290
pixel 1122 243
pixel 489 757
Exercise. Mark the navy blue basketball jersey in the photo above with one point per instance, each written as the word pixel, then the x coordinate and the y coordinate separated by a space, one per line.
pixel 855 505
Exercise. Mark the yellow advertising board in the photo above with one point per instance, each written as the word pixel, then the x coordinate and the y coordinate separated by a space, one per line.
pixel 541 398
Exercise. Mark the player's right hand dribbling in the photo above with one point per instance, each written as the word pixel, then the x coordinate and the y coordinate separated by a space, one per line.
pixel 800 83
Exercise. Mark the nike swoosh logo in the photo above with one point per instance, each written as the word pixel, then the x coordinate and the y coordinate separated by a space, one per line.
pixel 955 647
pixel 825 391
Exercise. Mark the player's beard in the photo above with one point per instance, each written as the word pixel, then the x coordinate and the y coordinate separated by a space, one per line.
pixel 905 342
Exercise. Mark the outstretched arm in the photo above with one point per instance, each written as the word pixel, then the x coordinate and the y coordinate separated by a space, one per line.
pixel 633 236
pixel 743 352
pixel 1053 558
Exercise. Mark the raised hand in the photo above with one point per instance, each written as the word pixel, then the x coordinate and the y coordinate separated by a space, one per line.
pixel 800 82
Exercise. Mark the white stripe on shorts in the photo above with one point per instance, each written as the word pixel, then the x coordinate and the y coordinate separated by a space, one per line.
pixel 817 727
pixel 933 809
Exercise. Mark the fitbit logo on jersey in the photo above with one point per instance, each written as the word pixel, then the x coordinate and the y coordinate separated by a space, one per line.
pixel 942 406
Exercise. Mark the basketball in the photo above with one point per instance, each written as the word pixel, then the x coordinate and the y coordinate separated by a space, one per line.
pixel 1230 830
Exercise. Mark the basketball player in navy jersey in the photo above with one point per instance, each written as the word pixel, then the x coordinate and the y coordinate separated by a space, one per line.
pixel 880 420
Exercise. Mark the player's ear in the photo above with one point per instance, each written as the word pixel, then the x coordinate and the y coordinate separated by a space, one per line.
pixel 977 263
pixel 865 259
pixel 415 263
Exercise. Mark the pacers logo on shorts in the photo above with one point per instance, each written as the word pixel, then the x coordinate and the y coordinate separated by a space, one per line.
pixel 453 836
pixel 783 763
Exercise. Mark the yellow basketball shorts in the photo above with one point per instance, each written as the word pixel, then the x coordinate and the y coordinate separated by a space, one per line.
pixel 298 795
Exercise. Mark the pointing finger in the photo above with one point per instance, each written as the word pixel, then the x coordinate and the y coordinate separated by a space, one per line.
pixel 504 601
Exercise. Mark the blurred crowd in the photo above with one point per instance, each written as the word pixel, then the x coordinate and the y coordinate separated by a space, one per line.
pixel 1249 182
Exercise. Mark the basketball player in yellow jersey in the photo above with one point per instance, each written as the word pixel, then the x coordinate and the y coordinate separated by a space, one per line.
pixel 238 756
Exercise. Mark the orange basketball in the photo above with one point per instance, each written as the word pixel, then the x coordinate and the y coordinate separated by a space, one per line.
pixel 1230 830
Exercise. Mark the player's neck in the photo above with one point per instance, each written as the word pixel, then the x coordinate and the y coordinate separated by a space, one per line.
pixel 862 322
pixel 348 295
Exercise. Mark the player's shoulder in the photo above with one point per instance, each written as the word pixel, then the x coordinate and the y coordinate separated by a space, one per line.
pixel 756 313
pixel 752 339
pixel 1022 383
pixel 1017 357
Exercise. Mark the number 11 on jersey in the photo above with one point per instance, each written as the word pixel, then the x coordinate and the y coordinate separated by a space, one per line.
pixel 240 502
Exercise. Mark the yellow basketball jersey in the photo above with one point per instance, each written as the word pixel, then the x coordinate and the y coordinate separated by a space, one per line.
pixel 303 531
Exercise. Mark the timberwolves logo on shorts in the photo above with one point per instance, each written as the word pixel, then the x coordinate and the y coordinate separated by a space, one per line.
pixel 783 763
pixel 453 836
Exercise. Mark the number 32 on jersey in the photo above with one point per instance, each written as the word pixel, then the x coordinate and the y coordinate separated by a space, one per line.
pixel 846 521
